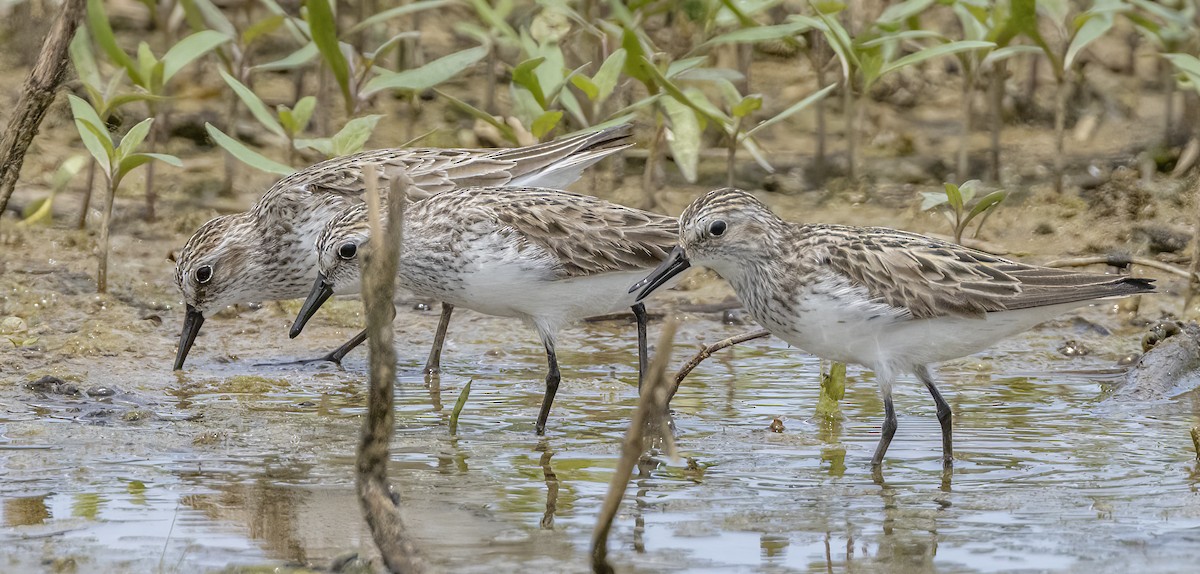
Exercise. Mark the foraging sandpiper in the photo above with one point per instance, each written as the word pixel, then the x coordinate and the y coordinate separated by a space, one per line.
pixel 547 257
pixel 889 300
pixel 267 253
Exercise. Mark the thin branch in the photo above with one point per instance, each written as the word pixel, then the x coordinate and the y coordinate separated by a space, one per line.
pixel 708 351
pixel 379 503
pixel 40 88
pixel 652 405
pixel 1119 261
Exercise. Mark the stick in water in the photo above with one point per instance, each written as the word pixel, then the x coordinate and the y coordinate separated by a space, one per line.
pixel 652 405
pixel 380 506
pixel 708 351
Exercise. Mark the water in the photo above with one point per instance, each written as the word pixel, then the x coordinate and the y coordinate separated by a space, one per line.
pixel 234 465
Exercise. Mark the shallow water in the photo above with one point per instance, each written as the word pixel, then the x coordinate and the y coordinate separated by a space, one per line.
pixel 231 464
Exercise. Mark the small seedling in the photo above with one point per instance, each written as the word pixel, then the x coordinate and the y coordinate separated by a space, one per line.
pixel 458 407
pixel 955 200
pixel 833 390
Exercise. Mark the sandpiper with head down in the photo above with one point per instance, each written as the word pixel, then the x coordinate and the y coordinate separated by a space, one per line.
pixel 889 300
pixel 267 253
pixel 547 257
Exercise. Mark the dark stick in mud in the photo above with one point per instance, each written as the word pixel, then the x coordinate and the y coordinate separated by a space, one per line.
pixel 652 406
pixel 1119 261
pixel 379 503
pixel 708 351
pixel 40 88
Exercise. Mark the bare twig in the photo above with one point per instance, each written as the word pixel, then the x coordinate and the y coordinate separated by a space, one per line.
pixel 1119 261
pixel 36 97
pixel 708 351
pixel 1194 278
pixel 380 504
pixel 652 404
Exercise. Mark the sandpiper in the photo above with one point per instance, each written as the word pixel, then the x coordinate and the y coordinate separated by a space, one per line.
pixel 545 256
pixel 889 300
pixel 267 253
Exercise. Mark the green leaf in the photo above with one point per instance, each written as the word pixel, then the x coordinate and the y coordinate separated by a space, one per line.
pixel 256 106
pixel 188 50
pixel 685 143
pixel 1095 26
pixel 323 26
pixel 609 74
pixel 680 66
pixel 99 146
pixel 985 203
pixel 323 145
pixel 209 17
pixel 967 190
pixel 67 171
pixel 291 61
pixel 133 138
pixel 936 52
pixel 1008 52
pixel 545 122
pixel 458 406
pixel 504 129
pixel 302 114
pixel 901 11
pixel 262 28
pixel 429 75
pixel 586 85
pixel 38 211
pixel 146 64
pixel 84 60
pixel 351 138
pixel 132 161
pixel 92 131
pixel 932 199
pixel 245 154
pixel 954 198
pixel 793 109
pixel 101 30
pixel 391 44
pixel 747 106
pixel 759 34
pixel 399 11
pixel 523 75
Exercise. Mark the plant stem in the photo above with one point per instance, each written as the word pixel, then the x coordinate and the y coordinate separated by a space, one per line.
pixel 151 196
pixel 105 225
pixel 851 130
pixel 87 195
pixel 997 104
pixel 968 89
pixel 1169 105
pixel 732 155
pixel 818 59
pixel 1060 127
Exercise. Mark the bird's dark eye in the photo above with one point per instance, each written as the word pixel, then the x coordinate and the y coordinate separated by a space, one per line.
pixel 348 250
pixel 204 274
pixel 718 227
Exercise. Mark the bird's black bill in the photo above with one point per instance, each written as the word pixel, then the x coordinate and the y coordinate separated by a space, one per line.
pixel 321 291
pixel 191 327
pixel 675 263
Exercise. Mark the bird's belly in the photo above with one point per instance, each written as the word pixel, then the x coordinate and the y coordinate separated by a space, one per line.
pixel 499 279
pixel 908 342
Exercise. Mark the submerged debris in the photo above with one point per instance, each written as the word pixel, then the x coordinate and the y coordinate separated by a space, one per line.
pixel 1170 366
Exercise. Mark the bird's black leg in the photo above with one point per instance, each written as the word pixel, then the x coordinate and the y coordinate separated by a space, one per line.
pixel 888 430
pixel 639 313
pixel 433 365
pixel 335 356
pixel 552 379
pixel 944 415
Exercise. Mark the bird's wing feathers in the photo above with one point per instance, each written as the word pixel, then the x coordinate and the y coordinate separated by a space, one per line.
pixel 585 234
pixel 931 278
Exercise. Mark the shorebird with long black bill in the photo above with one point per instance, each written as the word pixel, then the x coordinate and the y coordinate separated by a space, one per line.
pixel 889 300
pixel 544 256
pixel 267 254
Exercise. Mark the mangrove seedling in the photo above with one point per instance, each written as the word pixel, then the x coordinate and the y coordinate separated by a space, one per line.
pixel 954 200
pixel 115 161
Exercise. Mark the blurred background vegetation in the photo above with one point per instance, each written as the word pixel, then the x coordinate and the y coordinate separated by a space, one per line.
pixel 781 95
